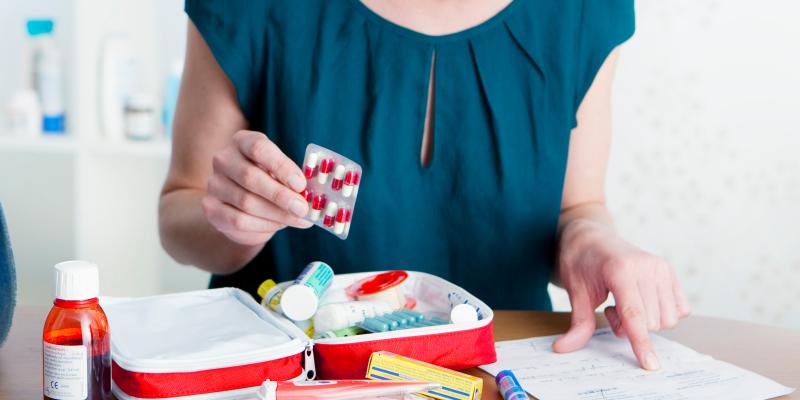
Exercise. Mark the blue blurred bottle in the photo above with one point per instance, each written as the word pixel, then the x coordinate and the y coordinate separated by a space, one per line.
pixel 171 89
pixel 48 79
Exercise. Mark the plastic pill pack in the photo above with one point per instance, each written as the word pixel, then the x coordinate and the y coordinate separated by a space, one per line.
pixel 401 319
pixel 332 189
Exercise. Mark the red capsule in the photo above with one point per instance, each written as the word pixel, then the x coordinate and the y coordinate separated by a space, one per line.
pixel 341 215
pixel 316 206
pixel 351 179
pixel 341 220
pixel 310 166
pixel 330 213
pixel 319 202
pixel 307 194
pixel 338 178
pixel 325 167
pixel 348 217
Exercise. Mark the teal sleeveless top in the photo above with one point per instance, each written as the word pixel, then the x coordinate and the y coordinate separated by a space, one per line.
pixel 484 212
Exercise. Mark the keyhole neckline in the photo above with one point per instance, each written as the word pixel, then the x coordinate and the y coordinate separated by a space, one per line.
pixel 462 34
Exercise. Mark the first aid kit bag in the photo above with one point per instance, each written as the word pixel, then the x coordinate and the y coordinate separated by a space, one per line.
pixel 222 344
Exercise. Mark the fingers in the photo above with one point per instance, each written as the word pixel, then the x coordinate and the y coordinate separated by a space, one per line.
pixel 680 298
pixel 247 175
pixel 582 323
pixel 633 317
pixel 651 301
pixel 238 226
pixel 263 152
pixel 614 321
pixel 668 306
pixel 232 194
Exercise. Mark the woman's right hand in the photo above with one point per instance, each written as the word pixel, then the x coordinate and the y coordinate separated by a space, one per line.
pixel 254 190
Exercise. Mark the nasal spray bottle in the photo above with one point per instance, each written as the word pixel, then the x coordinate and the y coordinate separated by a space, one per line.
pixel 76 344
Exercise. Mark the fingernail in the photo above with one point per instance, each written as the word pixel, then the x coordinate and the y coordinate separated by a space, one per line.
pixel 298 207
pixel 304 223
pixel 297 182
pixel 651 361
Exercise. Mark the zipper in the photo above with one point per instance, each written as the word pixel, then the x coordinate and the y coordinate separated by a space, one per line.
pixel 309 367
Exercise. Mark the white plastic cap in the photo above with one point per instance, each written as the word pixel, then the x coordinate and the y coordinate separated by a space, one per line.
pixel 299 302
pixel 77 280
pixel 463 313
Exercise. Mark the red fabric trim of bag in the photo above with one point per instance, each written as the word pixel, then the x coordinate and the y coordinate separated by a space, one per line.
pixel 455 350
pixel 174 384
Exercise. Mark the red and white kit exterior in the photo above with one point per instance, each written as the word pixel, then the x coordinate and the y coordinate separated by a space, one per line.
pixel 221 344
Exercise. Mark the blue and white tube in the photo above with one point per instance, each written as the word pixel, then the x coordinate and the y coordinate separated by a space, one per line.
pixel 509 386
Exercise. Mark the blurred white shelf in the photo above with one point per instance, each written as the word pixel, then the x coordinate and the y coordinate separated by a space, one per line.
pixel 44 144
pixel 158 148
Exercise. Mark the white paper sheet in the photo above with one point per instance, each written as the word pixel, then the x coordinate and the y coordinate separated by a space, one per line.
pixel 606 369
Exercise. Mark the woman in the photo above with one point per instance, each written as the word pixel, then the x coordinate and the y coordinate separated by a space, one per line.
pixel 482 127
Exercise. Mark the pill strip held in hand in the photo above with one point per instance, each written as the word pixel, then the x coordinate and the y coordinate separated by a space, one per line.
pixel 331 189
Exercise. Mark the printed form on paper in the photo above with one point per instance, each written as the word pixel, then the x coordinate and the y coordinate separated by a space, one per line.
pixel 606 369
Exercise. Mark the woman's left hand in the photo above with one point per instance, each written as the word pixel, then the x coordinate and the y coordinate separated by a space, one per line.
pixel 593 262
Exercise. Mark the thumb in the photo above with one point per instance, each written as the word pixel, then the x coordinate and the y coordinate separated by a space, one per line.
pixel 582 324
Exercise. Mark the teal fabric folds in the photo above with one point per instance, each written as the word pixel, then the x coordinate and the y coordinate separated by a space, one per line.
pixel 484 213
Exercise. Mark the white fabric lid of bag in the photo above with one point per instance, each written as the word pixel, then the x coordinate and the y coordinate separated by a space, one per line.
pixel 189 326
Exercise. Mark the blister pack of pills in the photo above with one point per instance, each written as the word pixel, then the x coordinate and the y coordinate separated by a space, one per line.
pixel 332 189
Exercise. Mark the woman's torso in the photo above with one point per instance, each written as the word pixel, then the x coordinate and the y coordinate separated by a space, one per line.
pixel 484 212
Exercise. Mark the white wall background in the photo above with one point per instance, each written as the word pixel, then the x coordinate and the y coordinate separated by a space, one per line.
pixel 86 196
pixel 704 167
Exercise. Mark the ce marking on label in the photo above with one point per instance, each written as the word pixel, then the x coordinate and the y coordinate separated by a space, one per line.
pixel 54 385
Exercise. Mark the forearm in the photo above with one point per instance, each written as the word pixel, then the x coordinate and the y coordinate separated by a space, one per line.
pixel 591 211
pixel 190 239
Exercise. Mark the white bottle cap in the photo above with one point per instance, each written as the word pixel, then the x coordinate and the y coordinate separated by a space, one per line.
pixel 77 280
pixel 463 313
pixel 299 302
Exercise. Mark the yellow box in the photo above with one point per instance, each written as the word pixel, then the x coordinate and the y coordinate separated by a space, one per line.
pixel 384 365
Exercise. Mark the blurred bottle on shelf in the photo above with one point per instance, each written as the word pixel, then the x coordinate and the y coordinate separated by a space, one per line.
pixel 171 88
pixel 140 116
pixel 117 73
pixel 47 75
pixel 24 114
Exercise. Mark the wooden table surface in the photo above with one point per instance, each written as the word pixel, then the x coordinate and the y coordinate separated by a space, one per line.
pixel 772 352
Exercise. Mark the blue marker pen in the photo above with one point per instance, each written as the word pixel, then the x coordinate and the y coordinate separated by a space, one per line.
pixel 509 387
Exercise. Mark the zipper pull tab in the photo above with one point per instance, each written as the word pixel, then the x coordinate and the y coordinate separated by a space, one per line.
pixel 309 369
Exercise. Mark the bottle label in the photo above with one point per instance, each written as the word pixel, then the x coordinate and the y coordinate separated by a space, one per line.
pixel 65 375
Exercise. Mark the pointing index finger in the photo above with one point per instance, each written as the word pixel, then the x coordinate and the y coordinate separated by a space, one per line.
pixel 632 314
